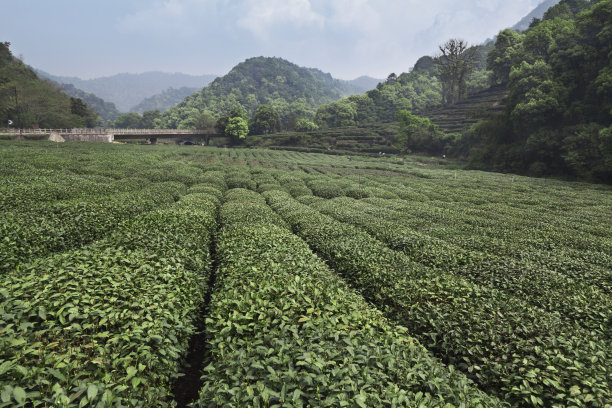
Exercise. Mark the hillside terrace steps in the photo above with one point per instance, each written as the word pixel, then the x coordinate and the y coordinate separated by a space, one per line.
pixel 461 115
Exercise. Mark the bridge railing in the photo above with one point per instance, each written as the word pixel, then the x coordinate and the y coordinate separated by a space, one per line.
pixel 154 131
pixel 13 131
pixel 105 131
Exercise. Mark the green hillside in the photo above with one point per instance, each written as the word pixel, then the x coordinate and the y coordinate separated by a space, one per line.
pixel 290 89
pixel 538 102
pixel 27 98
pixel 418 90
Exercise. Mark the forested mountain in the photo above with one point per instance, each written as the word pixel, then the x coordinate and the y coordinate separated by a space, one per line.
pixel 105 110
pixel 164 100
pixel 128 90
pixel 291 90
pixel 26 97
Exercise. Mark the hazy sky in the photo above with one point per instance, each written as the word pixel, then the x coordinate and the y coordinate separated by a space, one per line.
pixel 348 38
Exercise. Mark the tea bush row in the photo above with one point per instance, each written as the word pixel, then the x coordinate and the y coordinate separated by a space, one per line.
pixel 554 292
pixel 286 331
pixel 26 192
pixel 108 324
pixel 587 266
pixel 511 349
pixel 63 225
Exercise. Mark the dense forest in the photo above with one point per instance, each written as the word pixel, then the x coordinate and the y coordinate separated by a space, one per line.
pixel 31 101
pixel 559 110
pixel 294 92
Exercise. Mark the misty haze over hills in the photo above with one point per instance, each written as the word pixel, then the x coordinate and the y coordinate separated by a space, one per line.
pixel 128 90
pixel 159 90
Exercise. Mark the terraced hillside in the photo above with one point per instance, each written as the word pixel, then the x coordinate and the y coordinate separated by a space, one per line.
pixel 372 138
pixel 381 137
pixel 152 276
pixel 460 116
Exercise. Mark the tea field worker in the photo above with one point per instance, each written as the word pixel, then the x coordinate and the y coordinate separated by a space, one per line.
pixel 444 156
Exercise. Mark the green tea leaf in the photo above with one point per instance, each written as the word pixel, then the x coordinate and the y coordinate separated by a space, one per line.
pixel 19 394
pixel 92 391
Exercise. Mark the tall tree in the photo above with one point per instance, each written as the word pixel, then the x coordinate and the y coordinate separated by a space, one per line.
pixel 80 108
pixel 149 119
pixel 237 129
pixel 417 134
pixel 266 120
pixel 506 53
pixel 455 63
pixel 205 122
pixel 223 121
pixel 130 120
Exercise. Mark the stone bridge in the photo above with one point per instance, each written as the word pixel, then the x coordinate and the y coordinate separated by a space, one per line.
pixel 109 135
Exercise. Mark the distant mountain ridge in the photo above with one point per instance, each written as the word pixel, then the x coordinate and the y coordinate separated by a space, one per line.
pixel 107 111
pixel 128 90
pixel 164 100
pixel 538 12
pixel 364 83
pixel 292 90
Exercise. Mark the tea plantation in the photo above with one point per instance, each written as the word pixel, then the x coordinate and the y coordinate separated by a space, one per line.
pixel 151 276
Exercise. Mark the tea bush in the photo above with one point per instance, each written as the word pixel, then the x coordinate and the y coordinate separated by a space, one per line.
pixel 108 324
pixel 285 331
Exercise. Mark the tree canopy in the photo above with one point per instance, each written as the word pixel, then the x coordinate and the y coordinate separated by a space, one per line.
pixel 237 129
pixel 265 120
pixel 133 120
pixel 455 63
pixel 418 134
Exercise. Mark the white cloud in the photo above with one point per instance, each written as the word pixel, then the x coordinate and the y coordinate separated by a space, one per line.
pixel 363 15
pixel 263 16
